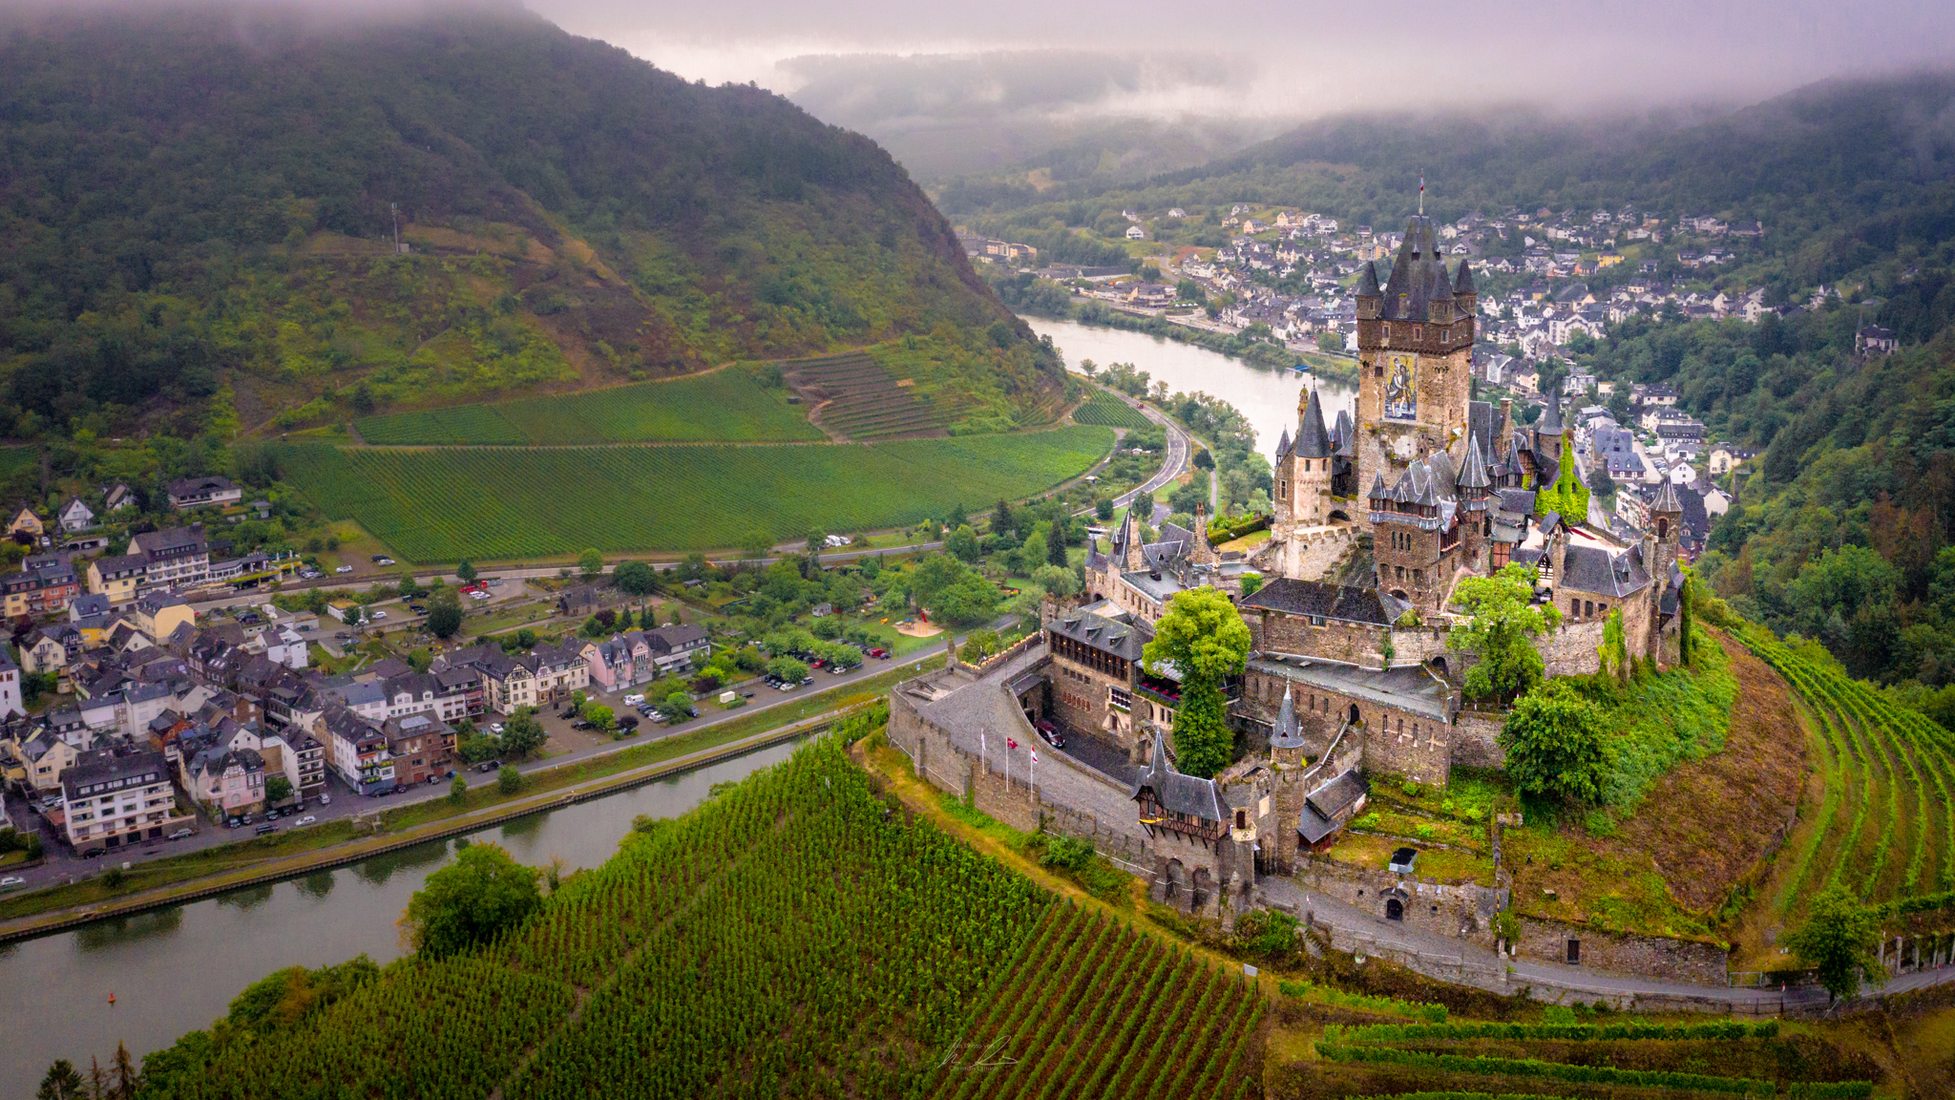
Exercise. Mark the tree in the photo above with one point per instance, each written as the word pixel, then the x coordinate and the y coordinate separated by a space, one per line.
pixel 444 613
pixel 458 790
pixel 1252 583
pixel 1203 638
pixel 408 587
pixel 353 615
pixel 787 668
pixel 1058 580
pixel 1841 939
pixel 635 578
pixel 590 563
pixel 508 779
pixel 277 789
pixel 677 706
pixel 128 1079
pixel 1554 743
pixel 522 734
pixel 465 571
pixel 62 1082
pixel 1002 521
pixel 1204 460
pixel 967 601
pixel 817 542
pixel 472 900
pixel 1055 543
pixel 963 543
pixel 1499 617
pixel 599 715
pixel 1103 509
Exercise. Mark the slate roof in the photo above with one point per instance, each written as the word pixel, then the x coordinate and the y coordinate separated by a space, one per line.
pixel 1596 569
pixel 1178 793
pixel 1286 732
pixel 1313 438
pixel 1330 601
pixel 1418 275
pixel 1409 687
pixel 1100 632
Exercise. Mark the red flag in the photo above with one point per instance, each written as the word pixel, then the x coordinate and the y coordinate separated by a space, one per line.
pixel 1011 743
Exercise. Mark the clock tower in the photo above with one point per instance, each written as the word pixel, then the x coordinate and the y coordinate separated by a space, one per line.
pixel 1415 346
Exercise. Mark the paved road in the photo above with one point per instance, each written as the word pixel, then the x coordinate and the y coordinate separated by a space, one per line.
pixel 1578 980
pixel 1172 463
pixel 61 863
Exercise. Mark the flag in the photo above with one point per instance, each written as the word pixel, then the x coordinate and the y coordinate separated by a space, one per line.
pixel 1035 756
pixel 1011 742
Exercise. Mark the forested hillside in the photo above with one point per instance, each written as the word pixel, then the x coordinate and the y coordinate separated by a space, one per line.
pixel 198 208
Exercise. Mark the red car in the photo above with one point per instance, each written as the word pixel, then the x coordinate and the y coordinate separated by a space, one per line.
pixel 1050 732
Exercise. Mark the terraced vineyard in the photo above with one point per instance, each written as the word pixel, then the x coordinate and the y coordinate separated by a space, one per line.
pixel 506 503
pixel 854 397
pixel 1378 1047
pixel 1886 826
pixel 1092 1007
pixel 1104 408
pixel 730 404
pixel 792 937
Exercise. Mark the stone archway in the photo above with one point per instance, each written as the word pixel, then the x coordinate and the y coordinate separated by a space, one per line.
pixel 1174 881
pixel 1438 665
pixel 1354 716
pixel 1394 909
pixel 1202 889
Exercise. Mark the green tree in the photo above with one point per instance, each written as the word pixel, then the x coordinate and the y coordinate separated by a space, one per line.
pixel 1204 460
pixel 62 1082
pixel 1554 743
pixel 277 789
pixel 590 563
pixel 787 668
pixel 465 571
pixel 676 705
pixel 1841 939
pixel 1002 520
pixel 522 734
pixel 599 715
pixel 1103 509
pixel 482 894
pixel 508 779
pixel 1252 583
pixel 963 543
pixel 1059 580
pixel 635 578
pixel 1055 543
pixel 967 601
pixel 458 790
pixel 444 613
pixel 1203 638
pixel 1499 620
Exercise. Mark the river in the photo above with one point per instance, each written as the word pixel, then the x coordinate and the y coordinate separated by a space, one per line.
pixel 1267 397
pixel 176 969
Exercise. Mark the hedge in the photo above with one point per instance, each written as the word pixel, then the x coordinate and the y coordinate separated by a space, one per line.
pixel 1534 1067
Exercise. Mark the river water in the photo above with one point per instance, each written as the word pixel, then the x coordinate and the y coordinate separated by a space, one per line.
pixel 172 970
pixel 1267 397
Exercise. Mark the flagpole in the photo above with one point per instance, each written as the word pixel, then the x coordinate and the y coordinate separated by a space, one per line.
pixel 1422 194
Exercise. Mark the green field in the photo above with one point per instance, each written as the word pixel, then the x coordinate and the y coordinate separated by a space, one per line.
pixel 791 937
pixel 730 404
pixel 1104 408
pixel 503 503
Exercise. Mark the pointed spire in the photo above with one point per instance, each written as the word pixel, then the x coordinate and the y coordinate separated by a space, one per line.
pixel 1157 762
pixel 1666 498
pixel 1463 283
pixel 1286 733
pixel 1550 422
pixel 1368 280
pixel 1377 487
pixel 1283 444
pixel 1473 474
pixel 1313 439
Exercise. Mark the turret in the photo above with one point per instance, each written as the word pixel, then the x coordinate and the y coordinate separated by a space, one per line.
pixel 1369 297
pixel 1465 295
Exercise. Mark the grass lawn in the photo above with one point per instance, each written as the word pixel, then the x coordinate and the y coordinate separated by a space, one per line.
pixel 514 503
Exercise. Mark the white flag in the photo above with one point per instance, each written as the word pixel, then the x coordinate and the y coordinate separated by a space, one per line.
pixel 1035 756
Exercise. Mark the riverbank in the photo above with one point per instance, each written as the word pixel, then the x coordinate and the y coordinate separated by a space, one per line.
pixel 298 852
pixel 1255 353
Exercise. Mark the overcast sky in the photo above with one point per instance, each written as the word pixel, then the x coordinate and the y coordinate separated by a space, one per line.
pixel 1302 57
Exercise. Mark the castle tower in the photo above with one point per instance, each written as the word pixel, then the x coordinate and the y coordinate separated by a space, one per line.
pixel 1666 529
pixel 1303 474
pixel 1547 437
pixel 1475 492
pixel 1415 345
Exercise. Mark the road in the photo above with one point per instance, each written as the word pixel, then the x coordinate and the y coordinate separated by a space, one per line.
pixel 1173 463
pixel 61 863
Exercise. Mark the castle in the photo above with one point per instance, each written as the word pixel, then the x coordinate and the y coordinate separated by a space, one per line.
pixel 1379 513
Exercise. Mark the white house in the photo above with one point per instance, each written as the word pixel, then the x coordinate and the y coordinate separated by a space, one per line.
pixel 76 517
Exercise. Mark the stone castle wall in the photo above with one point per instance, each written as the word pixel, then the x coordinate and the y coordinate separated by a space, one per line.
pixel 1463 912
pixel 1644 956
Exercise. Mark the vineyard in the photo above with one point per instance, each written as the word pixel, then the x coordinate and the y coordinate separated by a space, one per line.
pixel 505 503
pixel 1092 1007
pixel 1378 1047
pixel 854 397
pixel 1104 408
pixel 1885 828
pixel 731 404
pixel 792 937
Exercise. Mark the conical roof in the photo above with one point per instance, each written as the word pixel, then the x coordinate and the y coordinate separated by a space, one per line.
pixel 1313 439
pixel 1550 422
pixel 1418 274
pixel 1283 444
pixel 1666 498
pixel 1473 473
pixel 1463 284
pixel 1368 280
pixel 1286 733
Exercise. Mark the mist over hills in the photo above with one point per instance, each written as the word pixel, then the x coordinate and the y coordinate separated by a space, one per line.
pixel 198 203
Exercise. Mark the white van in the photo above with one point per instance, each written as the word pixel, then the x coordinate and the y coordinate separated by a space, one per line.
pixel 633 700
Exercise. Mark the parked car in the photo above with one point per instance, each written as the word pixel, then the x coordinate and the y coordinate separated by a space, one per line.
pixel 342 569
pixel 580 724
pixel 181 834
pixel 634 699
pixel 495 728
pixel 1050 732
pixel 306 820
pixel 233 822
pixel 94 853
pixel 12 882
pixel 325 799
pixel 266 829
pixel 418 609
pixel 488 765
pixel 627 723
pixel 271 815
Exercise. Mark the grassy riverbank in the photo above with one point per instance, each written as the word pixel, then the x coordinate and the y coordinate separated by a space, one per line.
pixel 297 850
